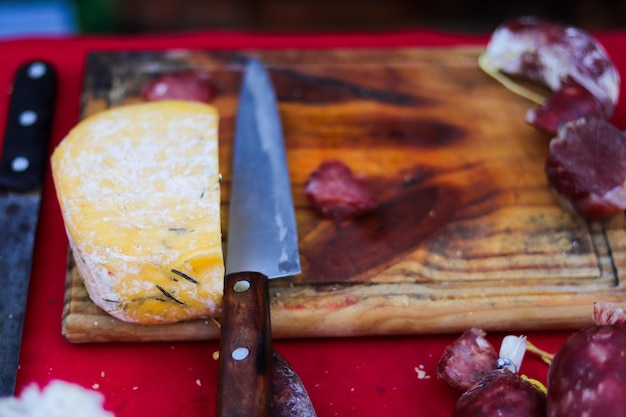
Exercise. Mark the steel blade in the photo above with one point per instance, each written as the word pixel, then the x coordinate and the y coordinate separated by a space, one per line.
pixel 262 234
pixel 18 222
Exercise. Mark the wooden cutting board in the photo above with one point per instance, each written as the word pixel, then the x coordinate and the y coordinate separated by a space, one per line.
pixel 465 234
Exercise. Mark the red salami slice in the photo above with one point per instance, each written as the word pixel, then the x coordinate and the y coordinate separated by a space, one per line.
pixel 569 103
pixel 185 85
pixel 586 168
pixel 336 194
pixel 467 360
pixel 501 393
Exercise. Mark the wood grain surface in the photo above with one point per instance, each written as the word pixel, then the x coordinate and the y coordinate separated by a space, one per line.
pixel 465 233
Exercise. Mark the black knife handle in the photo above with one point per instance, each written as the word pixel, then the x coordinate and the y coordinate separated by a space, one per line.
pixel 27 133
pixel 245 362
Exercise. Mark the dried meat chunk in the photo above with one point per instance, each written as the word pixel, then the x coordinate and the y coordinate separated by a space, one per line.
pixel 570 102
pixel 185 85
pixel 551 53
pixel 586 167
pixel 289 397
pixel 586 376
pixel 467 360
pixel 501 393
pixel 336 193
pixel 491 385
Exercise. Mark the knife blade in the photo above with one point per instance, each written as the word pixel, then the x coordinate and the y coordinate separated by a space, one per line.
pixel 22 165
pixel 262 244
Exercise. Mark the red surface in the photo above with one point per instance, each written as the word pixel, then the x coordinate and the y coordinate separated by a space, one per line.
pixel 345 377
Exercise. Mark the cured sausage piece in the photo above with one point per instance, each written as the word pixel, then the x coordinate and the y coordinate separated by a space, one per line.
pixel 607 313
pixel 550 54
pixel 490 380
pixel 468 359
pixel 289 397
pixel 586 376
pixel 185 85
pixel 336 194
pixel 586 167
pixel 569 103
pixel 501 393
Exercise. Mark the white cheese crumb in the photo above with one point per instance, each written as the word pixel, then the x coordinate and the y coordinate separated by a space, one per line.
pixel 421 373
pixel 57 399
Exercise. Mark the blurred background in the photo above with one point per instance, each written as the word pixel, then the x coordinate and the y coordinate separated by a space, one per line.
pixel 28 17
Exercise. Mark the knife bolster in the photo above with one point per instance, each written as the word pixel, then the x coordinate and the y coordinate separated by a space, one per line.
pixel 245 364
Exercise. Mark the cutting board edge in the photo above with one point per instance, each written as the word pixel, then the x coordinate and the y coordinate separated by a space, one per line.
pixel 374 315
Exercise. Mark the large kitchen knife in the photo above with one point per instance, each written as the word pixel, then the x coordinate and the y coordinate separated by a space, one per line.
pixel 22 164
pixel 262 244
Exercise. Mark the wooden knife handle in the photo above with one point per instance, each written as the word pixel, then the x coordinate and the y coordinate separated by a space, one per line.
pixel 245 362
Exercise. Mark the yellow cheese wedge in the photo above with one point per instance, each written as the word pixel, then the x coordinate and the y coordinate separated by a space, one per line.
pixel 139 190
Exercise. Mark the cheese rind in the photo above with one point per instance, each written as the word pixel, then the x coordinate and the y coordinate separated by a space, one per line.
pixel 138 186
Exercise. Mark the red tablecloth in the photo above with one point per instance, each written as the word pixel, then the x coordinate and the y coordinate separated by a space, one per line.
pixel 345 377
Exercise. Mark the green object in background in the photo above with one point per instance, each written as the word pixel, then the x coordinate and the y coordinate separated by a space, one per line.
pixel 97 16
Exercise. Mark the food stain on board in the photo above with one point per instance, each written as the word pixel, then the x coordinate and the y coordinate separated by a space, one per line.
pixel 296 86
pixel 344 251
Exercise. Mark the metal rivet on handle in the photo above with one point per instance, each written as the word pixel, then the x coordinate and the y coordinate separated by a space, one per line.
pixel 20 164
pixel 27 118
pixel 241 286
pixel 37 70
pixel 240 353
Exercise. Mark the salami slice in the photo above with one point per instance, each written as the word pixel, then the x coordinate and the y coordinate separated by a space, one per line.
pixel 184 85
pixel 586 167
pixel 501 393
pixel 467 360
pixel 336 194
pixel 570 102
